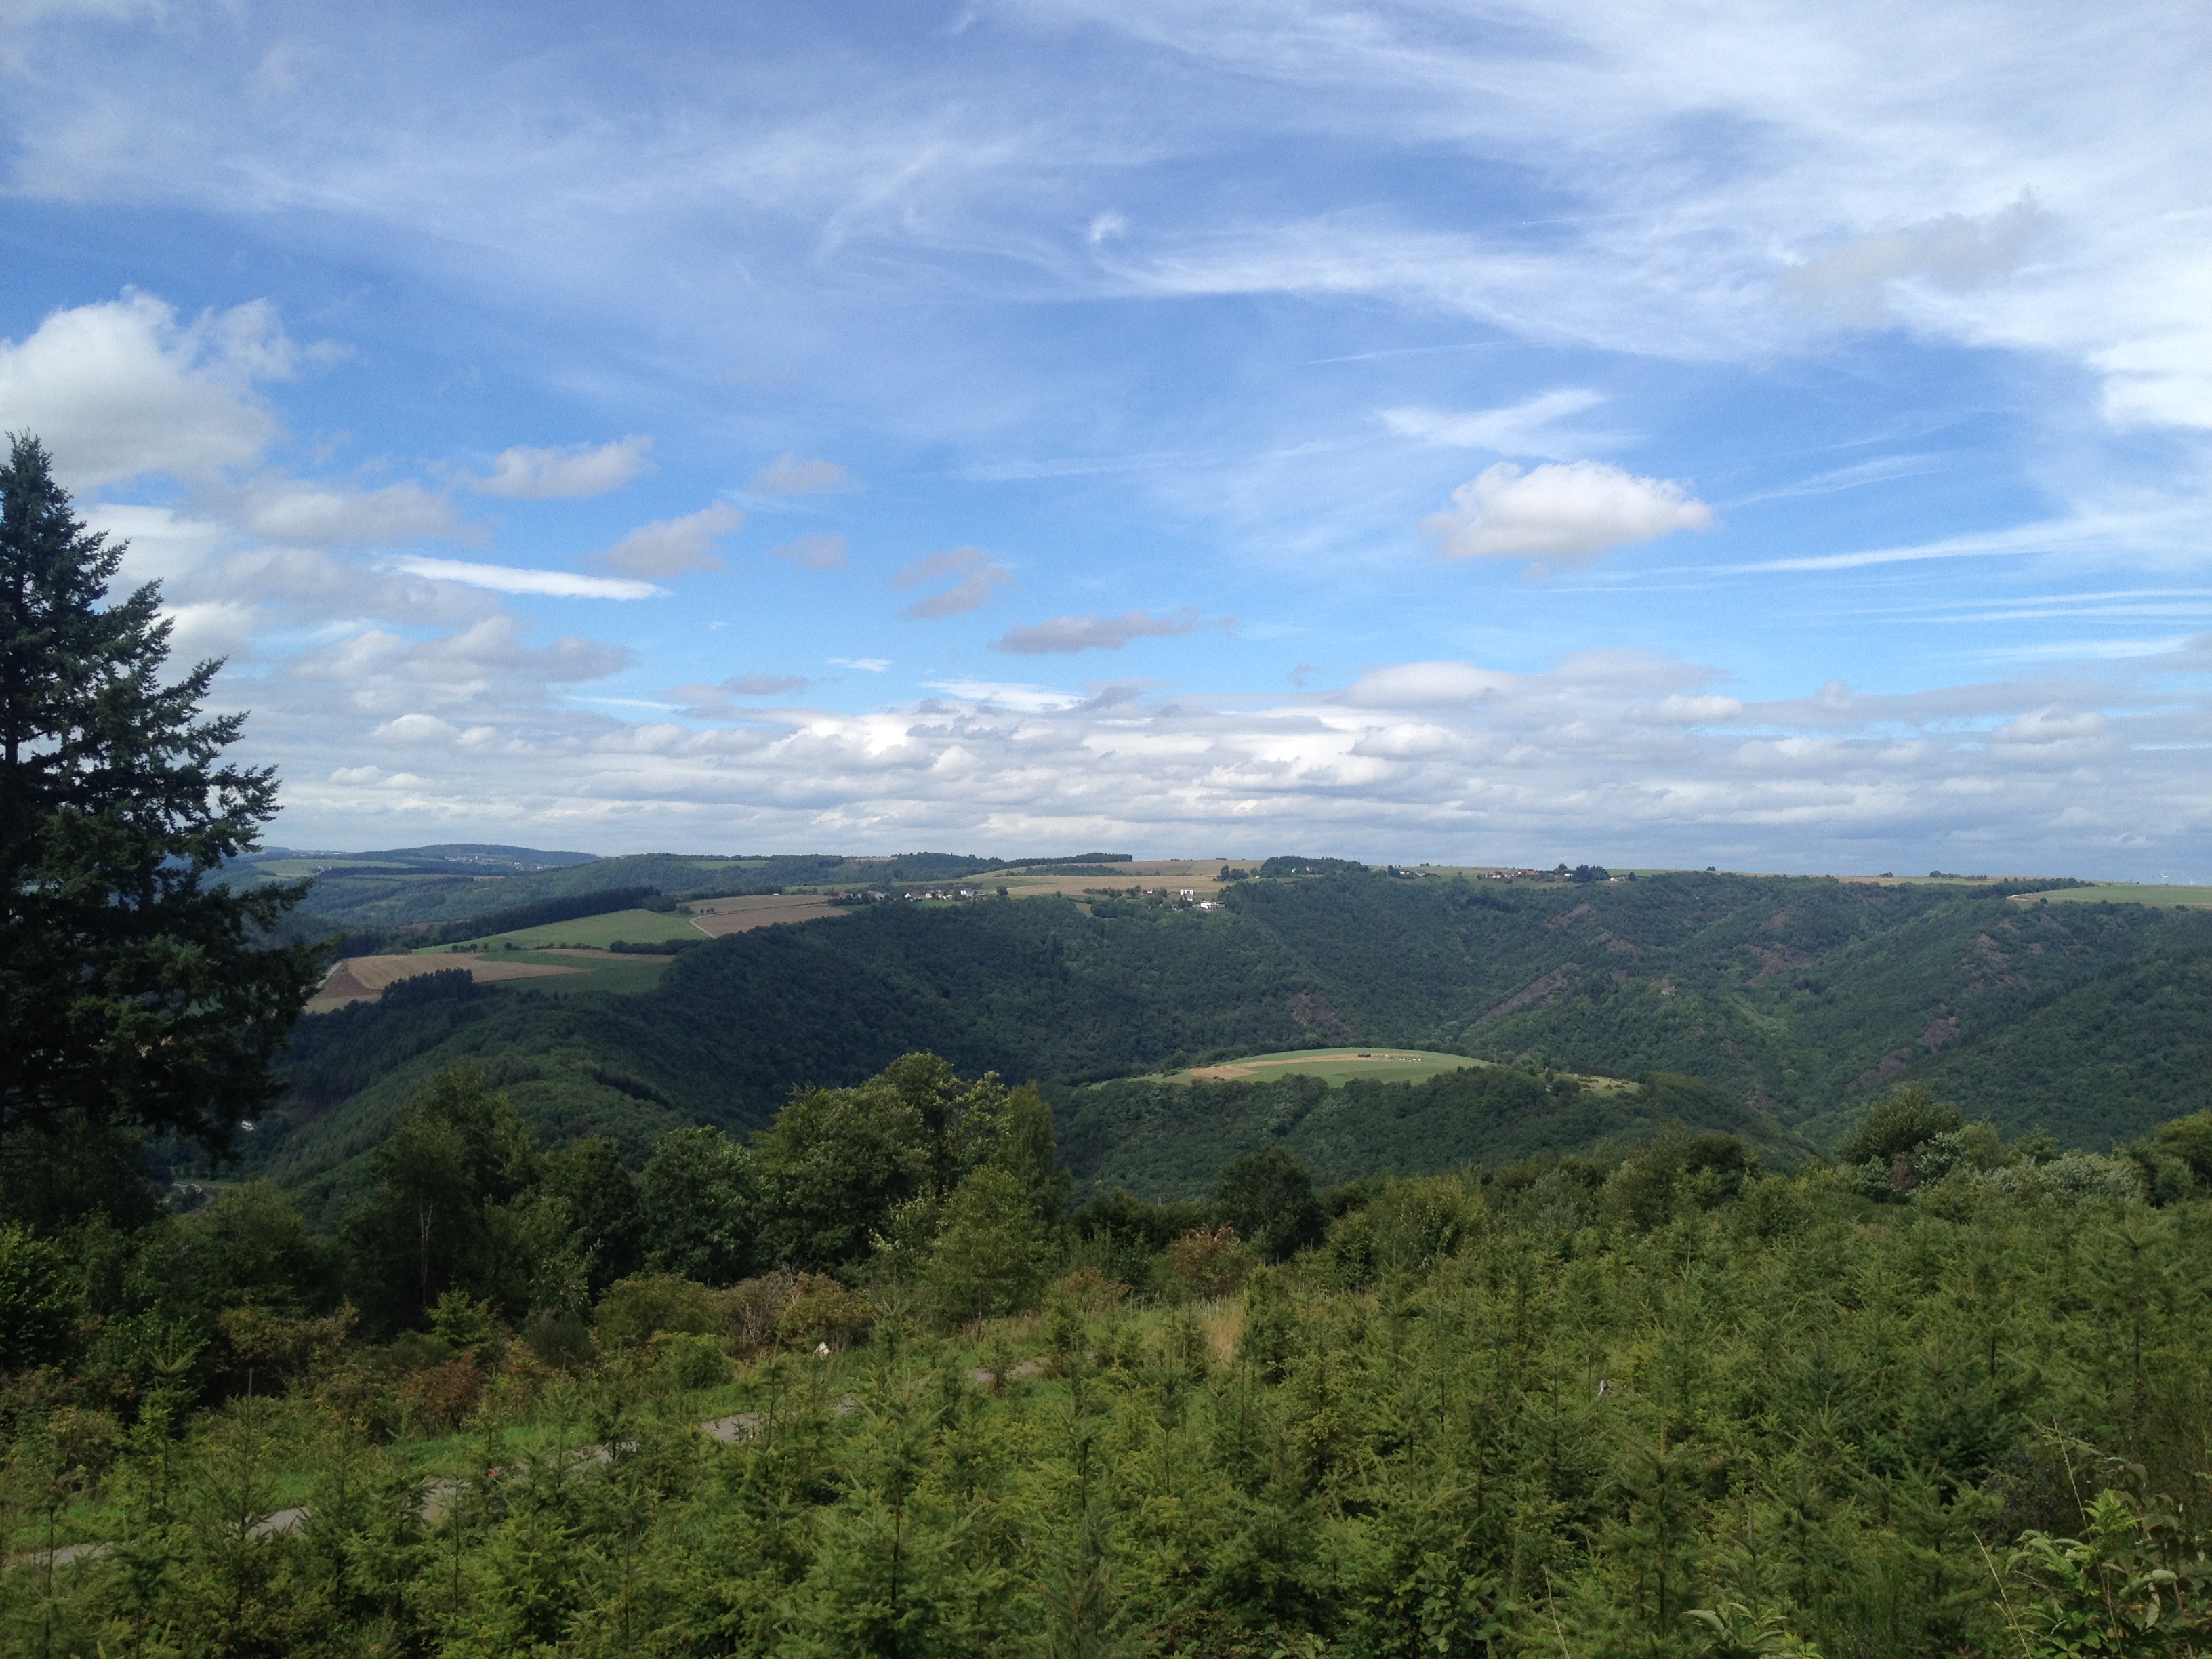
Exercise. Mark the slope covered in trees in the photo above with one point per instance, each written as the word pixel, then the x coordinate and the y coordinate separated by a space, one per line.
pixel 1797 998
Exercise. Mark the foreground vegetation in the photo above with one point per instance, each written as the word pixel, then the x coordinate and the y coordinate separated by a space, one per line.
pixel 1944 1396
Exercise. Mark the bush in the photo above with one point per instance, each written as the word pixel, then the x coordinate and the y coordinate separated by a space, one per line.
pixel 559 1337
pixel 637 1309
pixel 1207 1264
pixel 751 1308
pixel 821 1311
pixel 689 1361
pixel 439 1397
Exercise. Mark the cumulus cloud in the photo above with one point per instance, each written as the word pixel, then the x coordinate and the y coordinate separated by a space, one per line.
pixel 817 551
pixel 578 470
pixel 122 389
pixel 509 578
pixel 787 474
pixel 1564 511
pixel 1094 633
pixel 674 547
pixel 865 665
pixel 314 514
pixel 977 575
pixel 1610 755
pixel 1529 428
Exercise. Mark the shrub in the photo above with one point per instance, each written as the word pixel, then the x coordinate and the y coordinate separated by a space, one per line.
pixel 751 1308
pixel 1207 1264
pixel 689 1361
pixel 821 1311
pixel 439 1397
pixel 559 1337
pixel 635 1309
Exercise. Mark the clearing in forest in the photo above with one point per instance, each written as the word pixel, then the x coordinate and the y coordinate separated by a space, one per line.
pixel 1333 1066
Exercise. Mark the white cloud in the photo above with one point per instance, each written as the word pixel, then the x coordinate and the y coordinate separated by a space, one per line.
pixel 1417 684
pixel 121 389
pixel 996 694
pixel 978 577
pixel 507 579
pixel 1602 757
pixel 674 547
pixel 1527 427
pixel 1094 633
pixel 787 474
pixel 817 551
pixel 223 628
pixel 1560 510
pixel 865 665
pixel 741 685
pixel 312 514
pixel 581 470
pixel 416 728
pixel 1954 251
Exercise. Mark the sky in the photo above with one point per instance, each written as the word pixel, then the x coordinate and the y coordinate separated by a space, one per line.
pixel 1771 436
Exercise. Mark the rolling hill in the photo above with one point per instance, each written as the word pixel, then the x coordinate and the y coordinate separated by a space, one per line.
pixel 1794 999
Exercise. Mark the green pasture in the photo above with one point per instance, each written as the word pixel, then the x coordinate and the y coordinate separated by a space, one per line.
pixel 595 932
pixel 625 976
pixel 2122 892
pixel 1337 1067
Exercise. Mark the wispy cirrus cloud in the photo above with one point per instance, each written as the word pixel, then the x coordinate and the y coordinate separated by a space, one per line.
pixel 1532 427
pixel 509 578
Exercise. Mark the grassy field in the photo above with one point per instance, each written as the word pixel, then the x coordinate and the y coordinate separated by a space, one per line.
pixel 2122 892
pixel 1333 1065
pixel 625 974
pixel 593 933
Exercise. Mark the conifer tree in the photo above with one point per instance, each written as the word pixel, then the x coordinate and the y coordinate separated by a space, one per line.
pixel 134 992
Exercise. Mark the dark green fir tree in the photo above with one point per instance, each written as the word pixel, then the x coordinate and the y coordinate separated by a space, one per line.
pixel 138 993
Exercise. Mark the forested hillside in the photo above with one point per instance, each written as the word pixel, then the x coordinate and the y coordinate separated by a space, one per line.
pixel 1792 997
pixel 1171 1140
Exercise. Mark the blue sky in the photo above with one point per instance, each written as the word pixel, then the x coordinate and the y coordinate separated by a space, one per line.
pixel 1767 436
